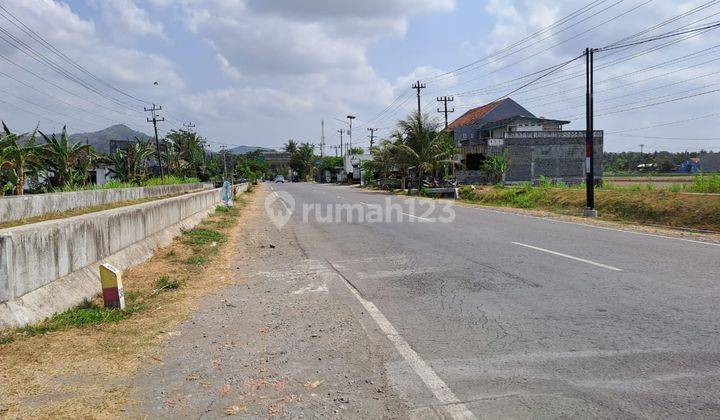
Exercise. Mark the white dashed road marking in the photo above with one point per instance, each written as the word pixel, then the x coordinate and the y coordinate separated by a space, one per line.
pixel 609 267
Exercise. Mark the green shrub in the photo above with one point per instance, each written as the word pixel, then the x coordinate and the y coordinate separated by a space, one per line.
pixel 197 260
pixel 545 182
pixel 169 180
pixel 705 183
pixel 166 283
pixel 85 314
pixel 202 236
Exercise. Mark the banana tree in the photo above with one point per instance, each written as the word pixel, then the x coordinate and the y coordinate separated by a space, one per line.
pixel 62 158
pixel 18 158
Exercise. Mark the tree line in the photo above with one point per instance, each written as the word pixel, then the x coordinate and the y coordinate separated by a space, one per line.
pixel 38 162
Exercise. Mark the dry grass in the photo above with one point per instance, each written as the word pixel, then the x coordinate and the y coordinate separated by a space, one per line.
pixel 82 372
pixel 644 206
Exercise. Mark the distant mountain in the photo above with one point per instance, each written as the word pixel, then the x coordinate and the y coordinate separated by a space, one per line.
pixel 241 150
pixel 100 140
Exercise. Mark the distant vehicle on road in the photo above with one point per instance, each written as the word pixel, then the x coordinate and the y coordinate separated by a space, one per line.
pixel 280 179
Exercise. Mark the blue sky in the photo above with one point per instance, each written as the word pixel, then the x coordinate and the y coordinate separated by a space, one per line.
pixel 259 72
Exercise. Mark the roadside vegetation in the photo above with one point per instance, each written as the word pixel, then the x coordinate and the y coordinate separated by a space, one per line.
pixel 417 148
pixel 638 204
pixel 36 162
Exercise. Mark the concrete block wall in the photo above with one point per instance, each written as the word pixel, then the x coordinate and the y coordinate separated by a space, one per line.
pixel 556 155
pixel 50 266
pixel 31 205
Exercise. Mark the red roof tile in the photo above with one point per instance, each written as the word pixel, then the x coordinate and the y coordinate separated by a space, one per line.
pixel 473 115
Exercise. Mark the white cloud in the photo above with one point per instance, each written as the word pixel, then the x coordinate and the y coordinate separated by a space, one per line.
pixel 129 69
pixel 307 56
pixel 127 21
pixel 514 20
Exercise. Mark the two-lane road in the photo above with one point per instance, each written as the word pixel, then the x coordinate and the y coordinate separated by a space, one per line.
pixel 496 314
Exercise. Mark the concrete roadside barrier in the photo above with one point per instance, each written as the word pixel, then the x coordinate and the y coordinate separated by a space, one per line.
pixel 33 205
pixel 50 266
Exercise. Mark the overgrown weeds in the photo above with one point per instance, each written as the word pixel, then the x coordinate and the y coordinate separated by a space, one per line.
pixel 86 314
pixel 640 204
pixel 167 283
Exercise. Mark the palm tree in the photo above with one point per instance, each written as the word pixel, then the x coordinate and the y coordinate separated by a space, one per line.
pixel 422 145
pixel 291 146
pixel 62 159
pixel 384 157
pixel 18 158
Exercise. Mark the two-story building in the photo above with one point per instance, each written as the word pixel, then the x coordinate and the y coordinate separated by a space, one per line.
pixel 536 146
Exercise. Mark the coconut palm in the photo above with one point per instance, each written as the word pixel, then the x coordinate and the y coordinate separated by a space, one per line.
pixel 291 146
pixel 17 158
pixel 421 145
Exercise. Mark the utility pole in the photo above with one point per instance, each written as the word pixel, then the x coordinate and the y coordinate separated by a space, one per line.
pixel 155 120
pixel 372 135
pixel 351 118
pixel 341 144
pixel 336 150
pixel 224 163
pixel 589 137
pixel 417 86
pixel 445 100
pixel 322 137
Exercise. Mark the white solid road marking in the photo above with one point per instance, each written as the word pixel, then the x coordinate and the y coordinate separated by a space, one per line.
pixel 416 217
pixel 454 407
pixel 609 267
pixel 340 197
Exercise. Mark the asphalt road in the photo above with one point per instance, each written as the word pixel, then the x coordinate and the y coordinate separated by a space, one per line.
pixel 503 315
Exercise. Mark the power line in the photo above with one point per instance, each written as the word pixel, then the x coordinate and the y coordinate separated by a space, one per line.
pixel 37 37
pixel 556 44
pixel 549 72
pixel 716 114
pixel 2 56
pixel 623 59
pixel 670 138
pixel 567 18
pixel 55 98
pixel 40 58
pixel 658 37
pixel 404 94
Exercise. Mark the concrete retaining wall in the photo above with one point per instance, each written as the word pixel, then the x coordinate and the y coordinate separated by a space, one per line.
pixel 51 266
pixel 24 206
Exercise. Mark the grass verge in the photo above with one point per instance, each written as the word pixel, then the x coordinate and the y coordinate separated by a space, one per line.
pixel 642 205
pixel 78 363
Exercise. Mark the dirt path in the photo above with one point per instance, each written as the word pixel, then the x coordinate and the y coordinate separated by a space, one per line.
pixel 275 342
